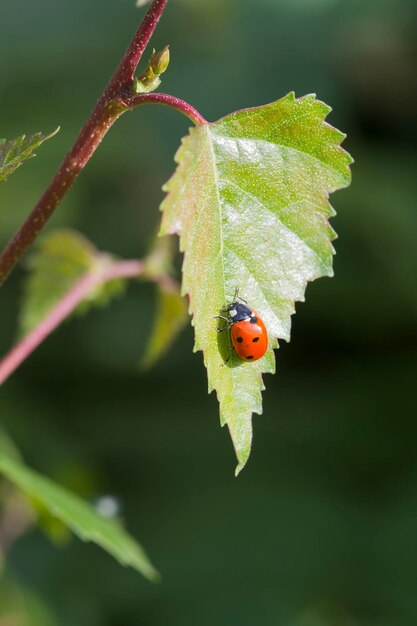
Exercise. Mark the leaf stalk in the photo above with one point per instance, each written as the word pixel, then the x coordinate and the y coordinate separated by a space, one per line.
pixel 167 100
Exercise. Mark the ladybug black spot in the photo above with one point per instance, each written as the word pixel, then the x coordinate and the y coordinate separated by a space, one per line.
pixel 239 339
pixel 255 339
pixel 249 358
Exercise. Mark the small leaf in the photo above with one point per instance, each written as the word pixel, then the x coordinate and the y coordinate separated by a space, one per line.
pixel 249 200
pixel 60 260
pixel 171 317
pixel 15 151
pixel 79 516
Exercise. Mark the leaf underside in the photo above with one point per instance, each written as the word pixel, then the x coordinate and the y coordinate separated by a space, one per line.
pixel 14 152
pixel 77 515
pixel 249 200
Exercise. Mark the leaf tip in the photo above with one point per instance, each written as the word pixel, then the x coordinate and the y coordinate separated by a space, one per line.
pixel 239 468
pixel 153 575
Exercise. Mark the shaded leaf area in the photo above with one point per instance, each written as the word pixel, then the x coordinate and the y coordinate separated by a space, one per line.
pixel 59 261
pixel 171 317
pixel 76 514
pixel 14 152
pixel 249 200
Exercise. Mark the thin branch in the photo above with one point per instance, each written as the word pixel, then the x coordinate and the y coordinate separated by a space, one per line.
pixel 137 46
pixel 169 101
pixel 81 289
pixel 108 108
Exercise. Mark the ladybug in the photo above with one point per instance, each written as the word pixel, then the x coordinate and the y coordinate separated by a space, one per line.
pixel 247 330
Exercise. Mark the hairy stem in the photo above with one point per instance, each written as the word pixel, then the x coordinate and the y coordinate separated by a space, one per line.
pixel 81 289
pixel 108 108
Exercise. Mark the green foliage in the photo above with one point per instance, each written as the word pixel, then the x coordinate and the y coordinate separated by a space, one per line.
pixel 20 607
pixel 171 317
pixel 59 261
pixel 79 516
pixel 14 152
pixel 249 200
pixel 7 447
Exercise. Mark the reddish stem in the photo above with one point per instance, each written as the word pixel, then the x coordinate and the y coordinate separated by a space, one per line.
pixel 108 108
pixel 137 46
pixel 81 289
pixel 169 101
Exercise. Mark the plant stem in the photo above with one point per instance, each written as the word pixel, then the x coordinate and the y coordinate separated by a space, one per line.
pixel 81 289
pixel 136 48
pixel 166 100
pixel 108 108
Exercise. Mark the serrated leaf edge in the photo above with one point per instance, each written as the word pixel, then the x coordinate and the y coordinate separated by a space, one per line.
pixel 339 137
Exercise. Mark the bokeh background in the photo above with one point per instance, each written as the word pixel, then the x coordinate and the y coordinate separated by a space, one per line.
pixel 321 527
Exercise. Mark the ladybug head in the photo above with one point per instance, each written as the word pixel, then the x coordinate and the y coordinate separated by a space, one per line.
pixel 239 312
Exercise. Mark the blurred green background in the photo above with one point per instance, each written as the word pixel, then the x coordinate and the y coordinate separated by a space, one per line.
pixel 321 527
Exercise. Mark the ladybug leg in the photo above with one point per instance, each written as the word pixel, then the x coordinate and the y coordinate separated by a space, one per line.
pixel 229 306
pixel 228 358
pixel 225 319
pixel 237 297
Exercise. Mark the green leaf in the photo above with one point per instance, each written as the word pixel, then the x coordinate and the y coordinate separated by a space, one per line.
pixel 60 260
pixel 171 317
pixel 79 516
pixel 249 200
pixel 13 152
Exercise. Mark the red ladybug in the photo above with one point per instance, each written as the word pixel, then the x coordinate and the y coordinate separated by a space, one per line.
pixel 247 330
